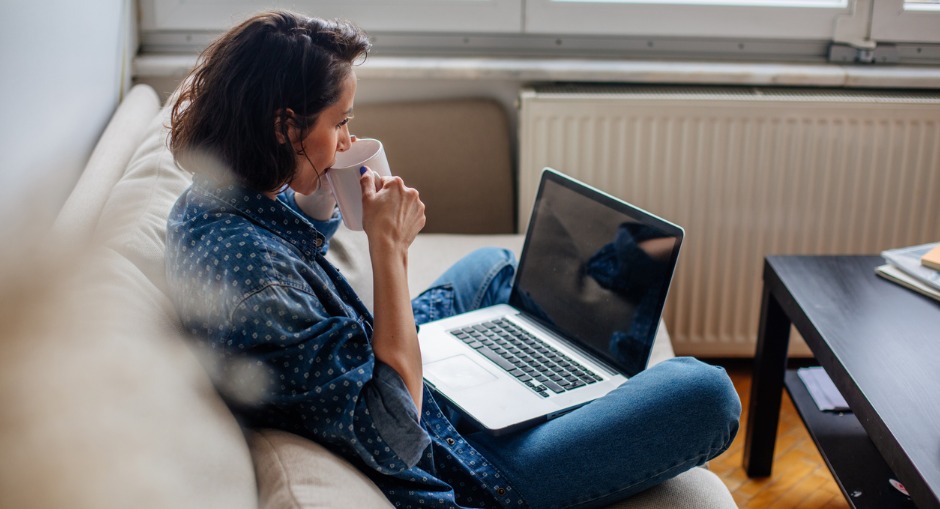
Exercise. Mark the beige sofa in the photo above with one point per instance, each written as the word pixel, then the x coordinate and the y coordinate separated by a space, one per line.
pixel 106 403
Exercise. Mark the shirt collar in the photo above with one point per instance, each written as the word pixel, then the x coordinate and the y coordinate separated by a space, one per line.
pixel 273 215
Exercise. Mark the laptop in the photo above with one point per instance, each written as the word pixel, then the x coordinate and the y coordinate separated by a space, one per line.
pixel 584 308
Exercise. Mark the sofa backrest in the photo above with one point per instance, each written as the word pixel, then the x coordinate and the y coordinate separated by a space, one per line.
pixel 133 219
pixel 140 424
pixel 78 217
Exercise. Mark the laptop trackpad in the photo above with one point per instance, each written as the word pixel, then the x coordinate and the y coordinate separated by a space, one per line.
pixel 458 372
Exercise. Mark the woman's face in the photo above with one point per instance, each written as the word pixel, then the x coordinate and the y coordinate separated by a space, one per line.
pixel 330 134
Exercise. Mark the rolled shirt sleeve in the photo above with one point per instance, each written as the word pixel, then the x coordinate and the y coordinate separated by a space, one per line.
pixel 394 414
pixel 321 378
pixel 327 228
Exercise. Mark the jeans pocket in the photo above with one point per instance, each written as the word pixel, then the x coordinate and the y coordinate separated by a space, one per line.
pixel 433 304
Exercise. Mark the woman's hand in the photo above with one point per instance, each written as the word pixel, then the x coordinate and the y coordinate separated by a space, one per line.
pixel 392 213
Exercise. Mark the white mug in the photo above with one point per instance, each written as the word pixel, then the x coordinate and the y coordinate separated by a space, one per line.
pixel 344 177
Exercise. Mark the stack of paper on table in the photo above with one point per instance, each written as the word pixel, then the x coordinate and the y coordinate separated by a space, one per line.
pixel 910 267
pixel 822 390
pixel 931 259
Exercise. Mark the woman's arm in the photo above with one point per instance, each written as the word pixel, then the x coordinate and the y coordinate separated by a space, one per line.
pixel 321 376
pixel 393 214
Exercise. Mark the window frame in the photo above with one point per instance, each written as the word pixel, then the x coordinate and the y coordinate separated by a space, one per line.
pixel 615 28
pixel 691 19
pixel 895 21
pixel 489 16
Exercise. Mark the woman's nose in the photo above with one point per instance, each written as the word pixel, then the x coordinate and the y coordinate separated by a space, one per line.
pixel 345 140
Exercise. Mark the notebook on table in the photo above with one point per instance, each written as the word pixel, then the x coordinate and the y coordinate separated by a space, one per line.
pixel 581 320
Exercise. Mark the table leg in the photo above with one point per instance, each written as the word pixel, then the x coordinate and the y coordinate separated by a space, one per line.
pixel 770 364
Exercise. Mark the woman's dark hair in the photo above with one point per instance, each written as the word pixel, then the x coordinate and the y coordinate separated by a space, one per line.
pixel 243 85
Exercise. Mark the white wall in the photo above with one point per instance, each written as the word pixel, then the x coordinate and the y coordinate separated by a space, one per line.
pixel 63 73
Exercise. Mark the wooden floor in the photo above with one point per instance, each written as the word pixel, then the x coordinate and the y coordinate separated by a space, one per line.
pixel 800 477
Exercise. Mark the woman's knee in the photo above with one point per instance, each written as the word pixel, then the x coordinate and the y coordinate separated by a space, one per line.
pixel 709 396
pixel 709 384
pixel 499 267
pixel 713 381
pixel 496 258
pixel 481 278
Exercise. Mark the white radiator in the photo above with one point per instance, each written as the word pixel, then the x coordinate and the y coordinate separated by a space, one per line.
pixel 747 172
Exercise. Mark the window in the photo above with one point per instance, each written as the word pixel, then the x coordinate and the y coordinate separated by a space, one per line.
pixel 489 16
pixel 756 29
pixel 750 19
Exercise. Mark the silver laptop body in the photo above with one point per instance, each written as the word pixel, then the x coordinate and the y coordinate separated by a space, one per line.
pixel 586 301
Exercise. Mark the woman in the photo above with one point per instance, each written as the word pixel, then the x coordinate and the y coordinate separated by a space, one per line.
pixel 259 122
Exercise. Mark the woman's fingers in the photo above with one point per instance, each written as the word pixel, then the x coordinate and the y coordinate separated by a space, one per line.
pixel 394 209
pixel 367 182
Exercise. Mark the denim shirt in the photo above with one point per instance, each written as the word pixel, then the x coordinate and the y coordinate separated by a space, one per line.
pixel 291 345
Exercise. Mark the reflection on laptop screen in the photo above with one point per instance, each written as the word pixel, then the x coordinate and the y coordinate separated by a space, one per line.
pixel 597 269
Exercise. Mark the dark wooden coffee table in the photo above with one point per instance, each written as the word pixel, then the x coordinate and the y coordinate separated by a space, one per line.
pixel 880 344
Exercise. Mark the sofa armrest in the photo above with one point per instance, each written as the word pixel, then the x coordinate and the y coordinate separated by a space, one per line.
pixel 697 488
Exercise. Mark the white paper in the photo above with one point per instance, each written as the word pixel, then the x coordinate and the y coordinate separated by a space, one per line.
pixel 822 390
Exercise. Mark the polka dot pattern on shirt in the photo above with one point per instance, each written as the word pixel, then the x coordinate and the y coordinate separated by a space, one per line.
pixel 292 345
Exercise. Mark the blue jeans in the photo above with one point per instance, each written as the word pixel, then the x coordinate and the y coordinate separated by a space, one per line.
pixel 667 419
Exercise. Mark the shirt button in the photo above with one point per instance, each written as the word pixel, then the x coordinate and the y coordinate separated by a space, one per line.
pixel 500 491
pixel 318 242
pixel 450 441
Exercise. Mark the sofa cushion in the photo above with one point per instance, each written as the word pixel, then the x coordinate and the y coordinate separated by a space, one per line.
pixel 133 220
pixel 295 473
pixel 697 488
pixel 430 255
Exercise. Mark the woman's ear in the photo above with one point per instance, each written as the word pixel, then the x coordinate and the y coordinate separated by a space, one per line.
pixel 285 129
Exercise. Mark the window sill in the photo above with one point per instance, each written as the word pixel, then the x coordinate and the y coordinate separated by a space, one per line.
pixel 603 70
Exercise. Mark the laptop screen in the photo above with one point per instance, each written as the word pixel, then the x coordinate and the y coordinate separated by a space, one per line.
pixel 596 270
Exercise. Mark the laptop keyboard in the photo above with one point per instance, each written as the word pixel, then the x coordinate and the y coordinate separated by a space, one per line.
pixel 536 364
